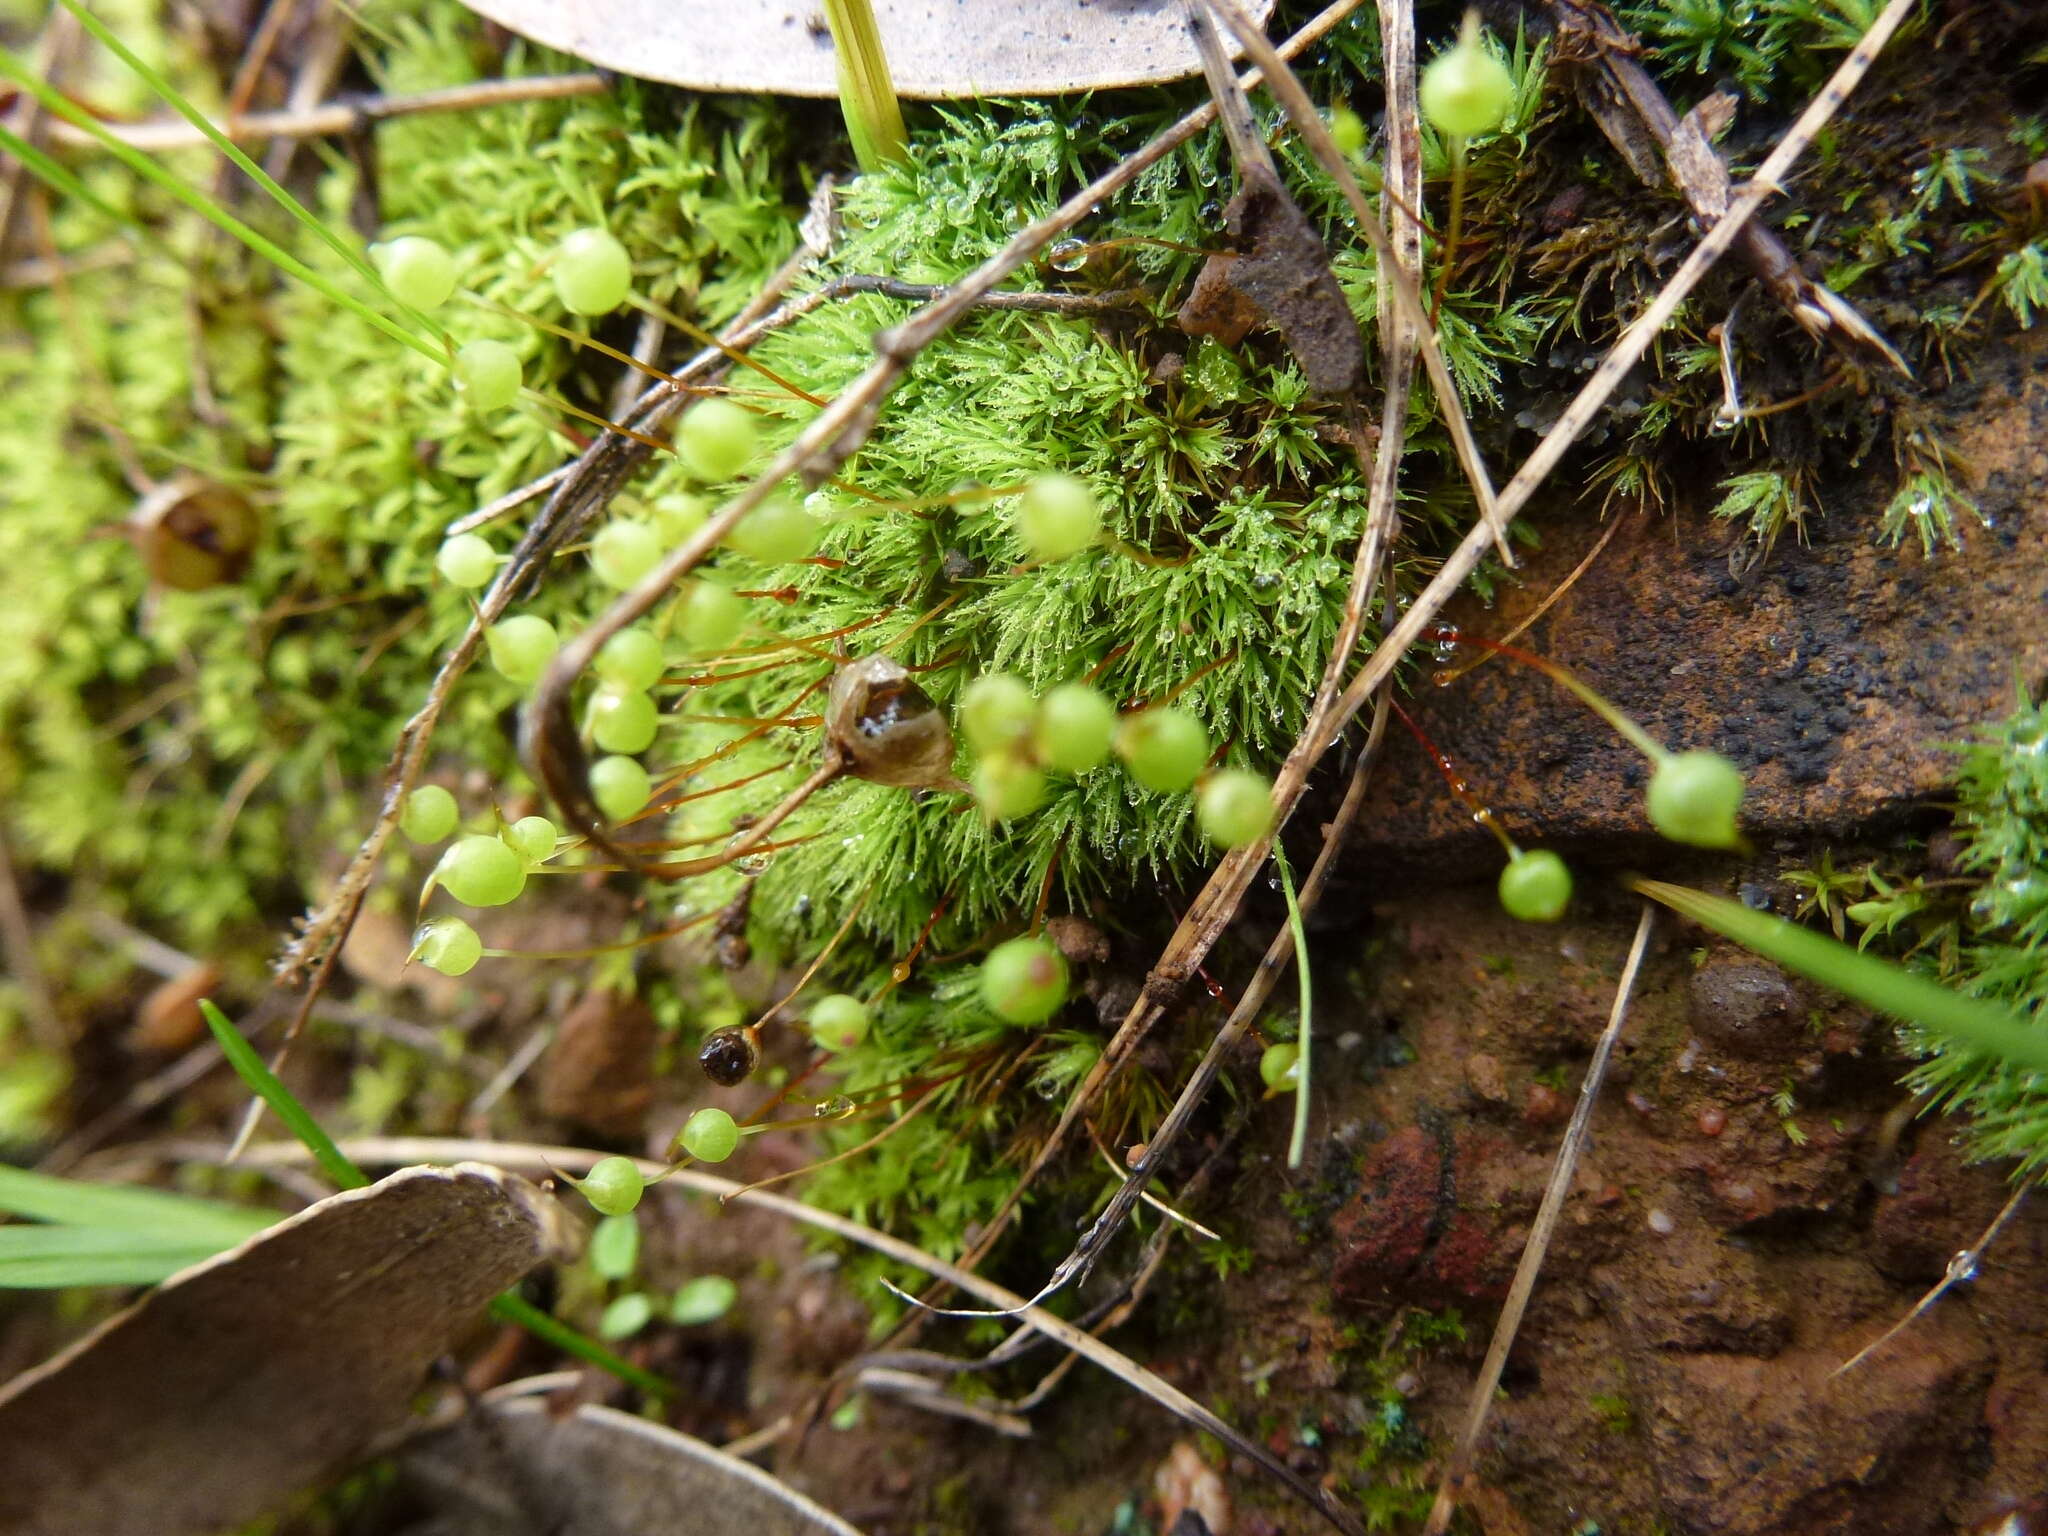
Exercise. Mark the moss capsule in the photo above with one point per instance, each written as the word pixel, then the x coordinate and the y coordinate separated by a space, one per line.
pixel 1024 981
pixel 620 786
pixel 429 814
pixel 613 1185
pixel 710 1135
pixel 1074 727
pixel 839 1022
pixel 1693 798
pixel 1535 887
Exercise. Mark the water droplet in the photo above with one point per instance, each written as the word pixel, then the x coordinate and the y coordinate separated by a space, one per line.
pixel 1446 647
pixel 1067 255
pixel 1963 1267
pixel 838 1107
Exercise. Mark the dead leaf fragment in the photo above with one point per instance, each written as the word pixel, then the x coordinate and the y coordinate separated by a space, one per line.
pixel 515 1469
pixel 938 49
pixel 1278 271
pixel 254 1374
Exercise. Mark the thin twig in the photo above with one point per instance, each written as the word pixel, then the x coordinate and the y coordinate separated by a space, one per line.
pixel 1539 1235
pixel 509 503
pixel 345 116
pixel 1962 1267
pixel 395 1151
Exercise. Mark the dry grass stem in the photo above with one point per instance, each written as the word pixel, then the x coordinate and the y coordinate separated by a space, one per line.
pixel 1539 1236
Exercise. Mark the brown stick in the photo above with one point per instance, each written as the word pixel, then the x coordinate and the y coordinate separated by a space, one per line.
pixel 340 116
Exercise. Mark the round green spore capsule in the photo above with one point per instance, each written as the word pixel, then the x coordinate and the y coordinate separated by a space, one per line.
pixel 429 814
pixel 532 838
pixel 776 532
pixel 1693 798
pixel 624 551
pixel 1280 1066
pixel 630 659
pixel 710 1135
pixel 620 786
pixel 996 712
pixel 1235 807
pixel 717 439
pixel 613 1185
pixel 448 945
pixel 1007 787
pixel 709 615
pixel 592 273
pixel 1347 129
pixel 1074 728
pixel 1164 748
pixel 1535 887
pixel 623 720
pixel 1057 516
pixel 522 646
pixel 418 271
pixel 487 373
pixel 1466 90
pixel 839 1022
pixel 678 515
pixel 467 560
pixel 1024 981
pixel 481 872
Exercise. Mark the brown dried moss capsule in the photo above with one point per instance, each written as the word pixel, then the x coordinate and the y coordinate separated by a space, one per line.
pixel 730 1055
pixel 886 728
pixel 194 533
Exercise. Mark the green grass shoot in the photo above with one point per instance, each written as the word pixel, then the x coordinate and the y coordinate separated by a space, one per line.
pixel 1968 1023
pixel 264 1083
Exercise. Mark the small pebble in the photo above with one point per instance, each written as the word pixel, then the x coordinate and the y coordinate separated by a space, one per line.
pixel 1660 1222
pixel 1713 1122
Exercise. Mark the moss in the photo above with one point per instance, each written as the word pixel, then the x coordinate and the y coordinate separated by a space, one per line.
pixel 2002 819
pixel 201 770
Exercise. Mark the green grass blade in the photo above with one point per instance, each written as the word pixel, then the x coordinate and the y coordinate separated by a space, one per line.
pixel 123 1208
pixel 13 68
pixel 1972 1023
pixel 1297 1142
pixel 164 88
pixel 513 1308
pixel 263 1083
pixel 44 1258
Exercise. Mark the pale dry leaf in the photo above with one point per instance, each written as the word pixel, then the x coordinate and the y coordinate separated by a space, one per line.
pixel 253 1375
pixel 938 49
pixel 517 1469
